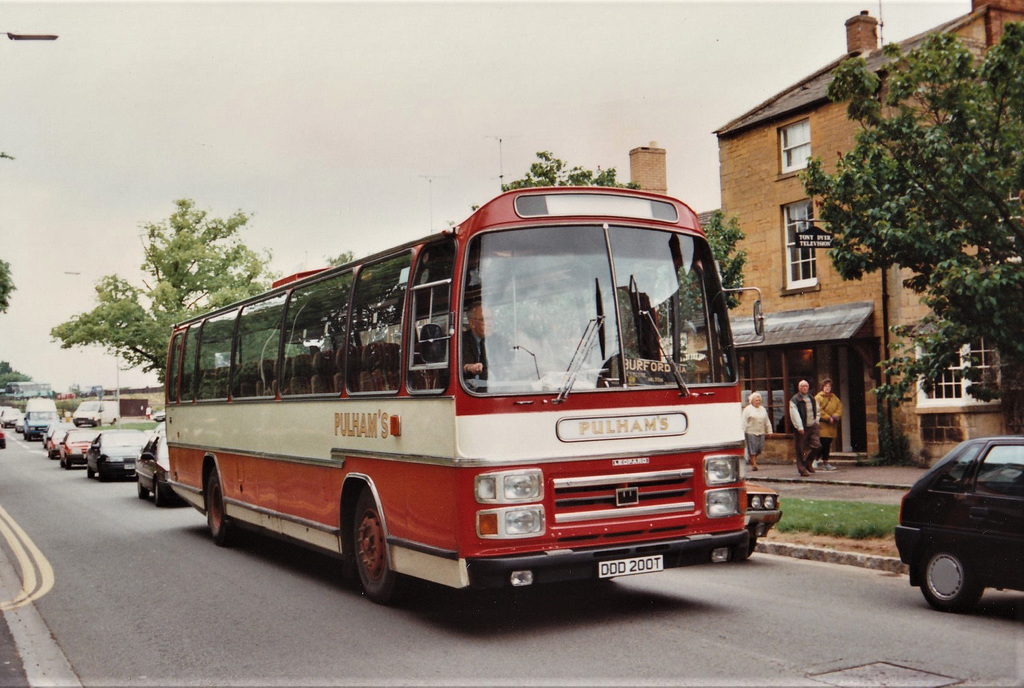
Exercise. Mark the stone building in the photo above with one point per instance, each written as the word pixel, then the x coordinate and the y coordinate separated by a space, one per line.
pixel 818 325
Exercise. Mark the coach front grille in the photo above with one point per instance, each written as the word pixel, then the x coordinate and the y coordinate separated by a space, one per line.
pixel 593 498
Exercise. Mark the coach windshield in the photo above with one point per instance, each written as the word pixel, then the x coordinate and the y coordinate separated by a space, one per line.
pixel 585 307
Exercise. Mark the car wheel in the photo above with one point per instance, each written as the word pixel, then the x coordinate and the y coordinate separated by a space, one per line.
pixel 159 494
pixel 88 473
pixel 217 520
pixel 379 581
pixel 947 583
pixel 744 554
pixel 143 492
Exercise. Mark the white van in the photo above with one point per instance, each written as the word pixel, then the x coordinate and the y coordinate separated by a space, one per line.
pixel 39 415
pixel 95 413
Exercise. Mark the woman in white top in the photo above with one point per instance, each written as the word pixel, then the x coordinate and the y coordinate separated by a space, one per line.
pixel 755 426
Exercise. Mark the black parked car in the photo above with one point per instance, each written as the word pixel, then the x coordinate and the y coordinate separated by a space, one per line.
pixel 962 524
pixel 114 453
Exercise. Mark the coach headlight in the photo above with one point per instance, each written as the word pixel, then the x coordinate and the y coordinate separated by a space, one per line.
pixel 719 470
pixel 512 522
pixel 509 487
pixel 722 503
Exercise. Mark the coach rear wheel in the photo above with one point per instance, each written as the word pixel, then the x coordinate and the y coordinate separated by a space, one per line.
pixel 220 525
pixel 378 580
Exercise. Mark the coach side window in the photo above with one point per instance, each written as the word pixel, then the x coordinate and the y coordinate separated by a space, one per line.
pixel 172 368
pixel 215 356
pixel 315 337
pixel 431 319
pixel 188 363
pixel 375 340
pixel 259 339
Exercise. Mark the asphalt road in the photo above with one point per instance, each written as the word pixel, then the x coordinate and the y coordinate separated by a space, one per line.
pixel 140 596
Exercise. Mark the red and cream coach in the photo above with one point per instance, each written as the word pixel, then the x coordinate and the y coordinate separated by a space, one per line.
pixel 546 392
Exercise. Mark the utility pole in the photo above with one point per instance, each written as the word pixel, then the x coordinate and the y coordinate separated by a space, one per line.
pixel 501 166
pixel 430 185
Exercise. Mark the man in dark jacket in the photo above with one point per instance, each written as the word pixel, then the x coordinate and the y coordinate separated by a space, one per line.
pixel 803 413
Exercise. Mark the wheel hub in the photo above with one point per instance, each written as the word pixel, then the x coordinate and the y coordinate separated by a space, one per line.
pixel 371 545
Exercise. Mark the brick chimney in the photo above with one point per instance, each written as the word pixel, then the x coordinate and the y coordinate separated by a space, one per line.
pixel 647 168
pixel 999 12
pixel 861 33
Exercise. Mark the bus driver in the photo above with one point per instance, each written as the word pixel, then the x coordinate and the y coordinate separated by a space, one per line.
pixel 474 351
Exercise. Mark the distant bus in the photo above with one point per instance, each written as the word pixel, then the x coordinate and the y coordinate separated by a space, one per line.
pixel 547 392
pixel 28 390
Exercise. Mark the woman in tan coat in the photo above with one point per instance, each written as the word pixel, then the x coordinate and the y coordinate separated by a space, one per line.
pixel 830 413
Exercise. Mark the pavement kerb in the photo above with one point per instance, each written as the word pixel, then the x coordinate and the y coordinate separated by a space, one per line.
pixel 831 556
pixel 841 483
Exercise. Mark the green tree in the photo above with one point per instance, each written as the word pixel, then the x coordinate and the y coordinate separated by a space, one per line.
pixel 933 184
pixel 193 263
pixel 6 283
pixel 9 374
pixel 6 286
pixel 723 236
pixel 341 258
pixel 550 171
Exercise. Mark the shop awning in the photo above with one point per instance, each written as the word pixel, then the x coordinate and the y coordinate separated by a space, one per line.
pixel 826 324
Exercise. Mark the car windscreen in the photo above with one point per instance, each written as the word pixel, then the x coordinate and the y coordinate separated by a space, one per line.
pixel 124 439
pixel 85 436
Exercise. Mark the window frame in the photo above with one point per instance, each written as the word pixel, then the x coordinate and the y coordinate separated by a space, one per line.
pixel 798 258
pixel 241 331
pixel 426 377
pixel 174 367
pixel 390 356
pixel 958 395
pixel 789 150
pixel 298 298
pixel 218 379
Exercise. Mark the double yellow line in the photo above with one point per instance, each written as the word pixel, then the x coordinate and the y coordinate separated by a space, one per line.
pixel 36 572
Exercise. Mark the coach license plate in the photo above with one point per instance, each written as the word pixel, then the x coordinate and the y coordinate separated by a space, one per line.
pixel 630 567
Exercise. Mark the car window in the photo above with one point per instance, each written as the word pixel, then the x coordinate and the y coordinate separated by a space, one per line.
pixel 953 479
pixel 1002 471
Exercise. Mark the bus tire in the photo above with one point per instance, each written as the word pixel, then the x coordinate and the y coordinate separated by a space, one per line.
pixel 216 518
pixel 378 581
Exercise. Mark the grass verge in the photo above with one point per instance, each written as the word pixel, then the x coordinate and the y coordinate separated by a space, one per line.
pixel 856 520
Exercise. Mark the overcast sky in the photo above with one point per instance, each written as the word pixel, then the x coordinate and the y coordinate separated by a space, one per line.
pixel 346 126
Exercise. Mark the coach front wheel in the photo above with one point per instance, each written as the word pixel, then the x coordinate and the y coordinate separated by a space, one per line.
pixel 370 547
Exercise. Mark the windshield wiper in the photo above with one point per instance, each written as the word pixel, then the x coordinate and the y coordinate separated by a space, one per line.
pixel 583 349
pixel 680 382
